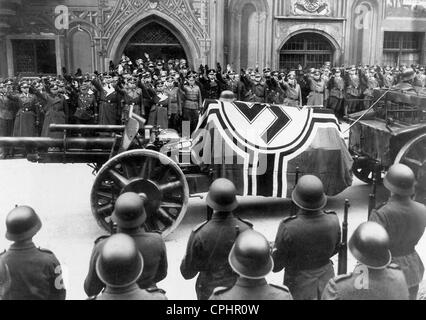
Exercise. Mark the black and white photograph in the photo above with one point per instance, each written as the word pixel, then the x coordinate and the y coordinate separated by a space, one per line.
pixel 203 151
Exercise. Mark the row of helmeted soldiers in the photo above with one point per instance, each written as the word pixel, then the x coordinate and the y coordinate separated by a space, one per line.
pixel 229 258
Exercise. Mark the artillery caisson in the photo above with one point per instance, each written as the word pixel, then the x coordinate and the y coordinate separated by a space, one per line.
pixel 392 131
pixel 124 159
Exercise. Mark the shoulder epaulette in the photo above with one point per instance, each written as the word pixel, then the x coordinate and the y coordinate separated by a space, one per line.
pixel 249 223
pixel 100 239
pixel 289 219
pixel 394 266
pixel 197 228
pixel 221 290
pixel 283 288
pixel 45 250
pixel 330 212
pixel 342 277
pixel 155 290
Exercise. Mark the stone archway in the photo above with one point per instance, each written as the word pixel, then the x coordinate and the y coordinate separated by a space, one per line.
pixel 188 42
pixel 333 48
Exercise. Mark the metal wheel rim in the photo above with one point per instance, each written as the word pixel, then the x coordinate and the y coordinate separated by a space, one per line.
pixel 120 160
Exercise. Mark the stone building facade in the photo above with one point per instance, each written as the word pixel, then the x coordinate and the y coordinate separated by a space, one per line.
pixel 42 36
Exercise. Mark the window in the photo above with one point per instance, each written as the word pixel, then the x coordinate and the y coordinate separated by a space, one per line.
pixel 34 57
pixel 310 50
pixel 402 48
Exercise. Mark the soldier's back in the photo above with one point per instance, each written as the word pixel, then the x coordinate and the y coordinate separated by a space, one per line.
pixel 153 250
pixel 368 284
pixel 35 273
pixel 309 239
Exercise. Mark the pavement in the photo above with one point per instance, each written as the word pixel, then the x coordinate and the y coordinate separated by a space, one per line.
pixel 60 194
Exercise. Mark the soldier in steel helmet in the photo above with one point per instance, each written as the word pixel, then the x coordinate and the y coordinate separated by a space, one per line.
pixel 129 215
pixel 35 273
pixel 375 277
pixel 405 221
pixel 251 259
pixel 210 243
pixel 119 265
pixel 305 243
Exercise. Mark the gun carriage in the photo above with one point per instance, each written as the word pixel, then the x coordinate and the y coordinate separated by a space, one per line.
pixel 131 158
pixel 165 169
pixel 392 131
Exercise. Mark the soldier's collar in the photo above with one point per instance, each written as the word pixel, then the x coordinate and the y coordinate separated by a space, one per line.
pixel 127 289
pixel 249 283
pixel 16 246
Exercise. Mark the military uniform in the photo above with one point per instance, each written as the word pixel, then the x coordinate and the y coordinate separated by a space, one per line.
pixel 207 253
pixel 372 83
pixel 27 117
pixel 133 293
pixel 336 88
pixel 7 116
pixel 192 104
pixel 405 222
pixel 316 96
pixel 304 245
pixel 153 250
pixel 133 97
pixel 368 284
pixel 293 94
pixel 353 93
pixel 258 91
pixel 36 274
pixel 109 104
pixel 247 289
pixel 55 108
pixel 86 108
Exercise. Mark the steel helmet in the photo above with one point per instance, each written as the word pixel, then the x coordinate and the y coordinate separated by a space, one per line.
pixel 400 180
pixel 370 245
pixel 120 264
pixel 250 256
pixel 129 211
pixel 309 194
pixel 22 223
pixel 227 96
pixel 222 196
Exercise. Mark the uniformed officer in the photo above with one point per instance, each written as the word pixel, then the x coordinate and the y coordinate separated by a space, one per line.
pixel 35 273
pixel 210 243
pixel 86 111
pixel 130 215
pixel 119 266
pixel 4 279
pixel 7 116
pixel 305 243
pixel 251 259
pixel 405 222
pixel 375 277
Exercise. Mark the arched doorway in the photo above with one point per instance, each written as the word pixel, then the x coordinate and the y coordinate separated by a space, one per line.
pixel 308 49
pixel 156 40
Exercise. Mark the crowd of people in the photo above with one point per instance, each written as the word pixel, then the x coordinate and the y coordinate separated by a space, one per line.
pixel 165 93
pixel 229 258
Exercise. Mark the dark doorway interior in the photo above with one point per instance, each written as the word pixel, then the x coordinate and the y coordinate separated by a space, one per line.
pixel 310 50
pixel 156 40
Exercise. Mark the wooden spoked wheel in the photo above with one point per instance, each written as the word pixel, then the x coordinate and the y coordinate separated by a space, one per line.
pixel 413 154
pixel 153 176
